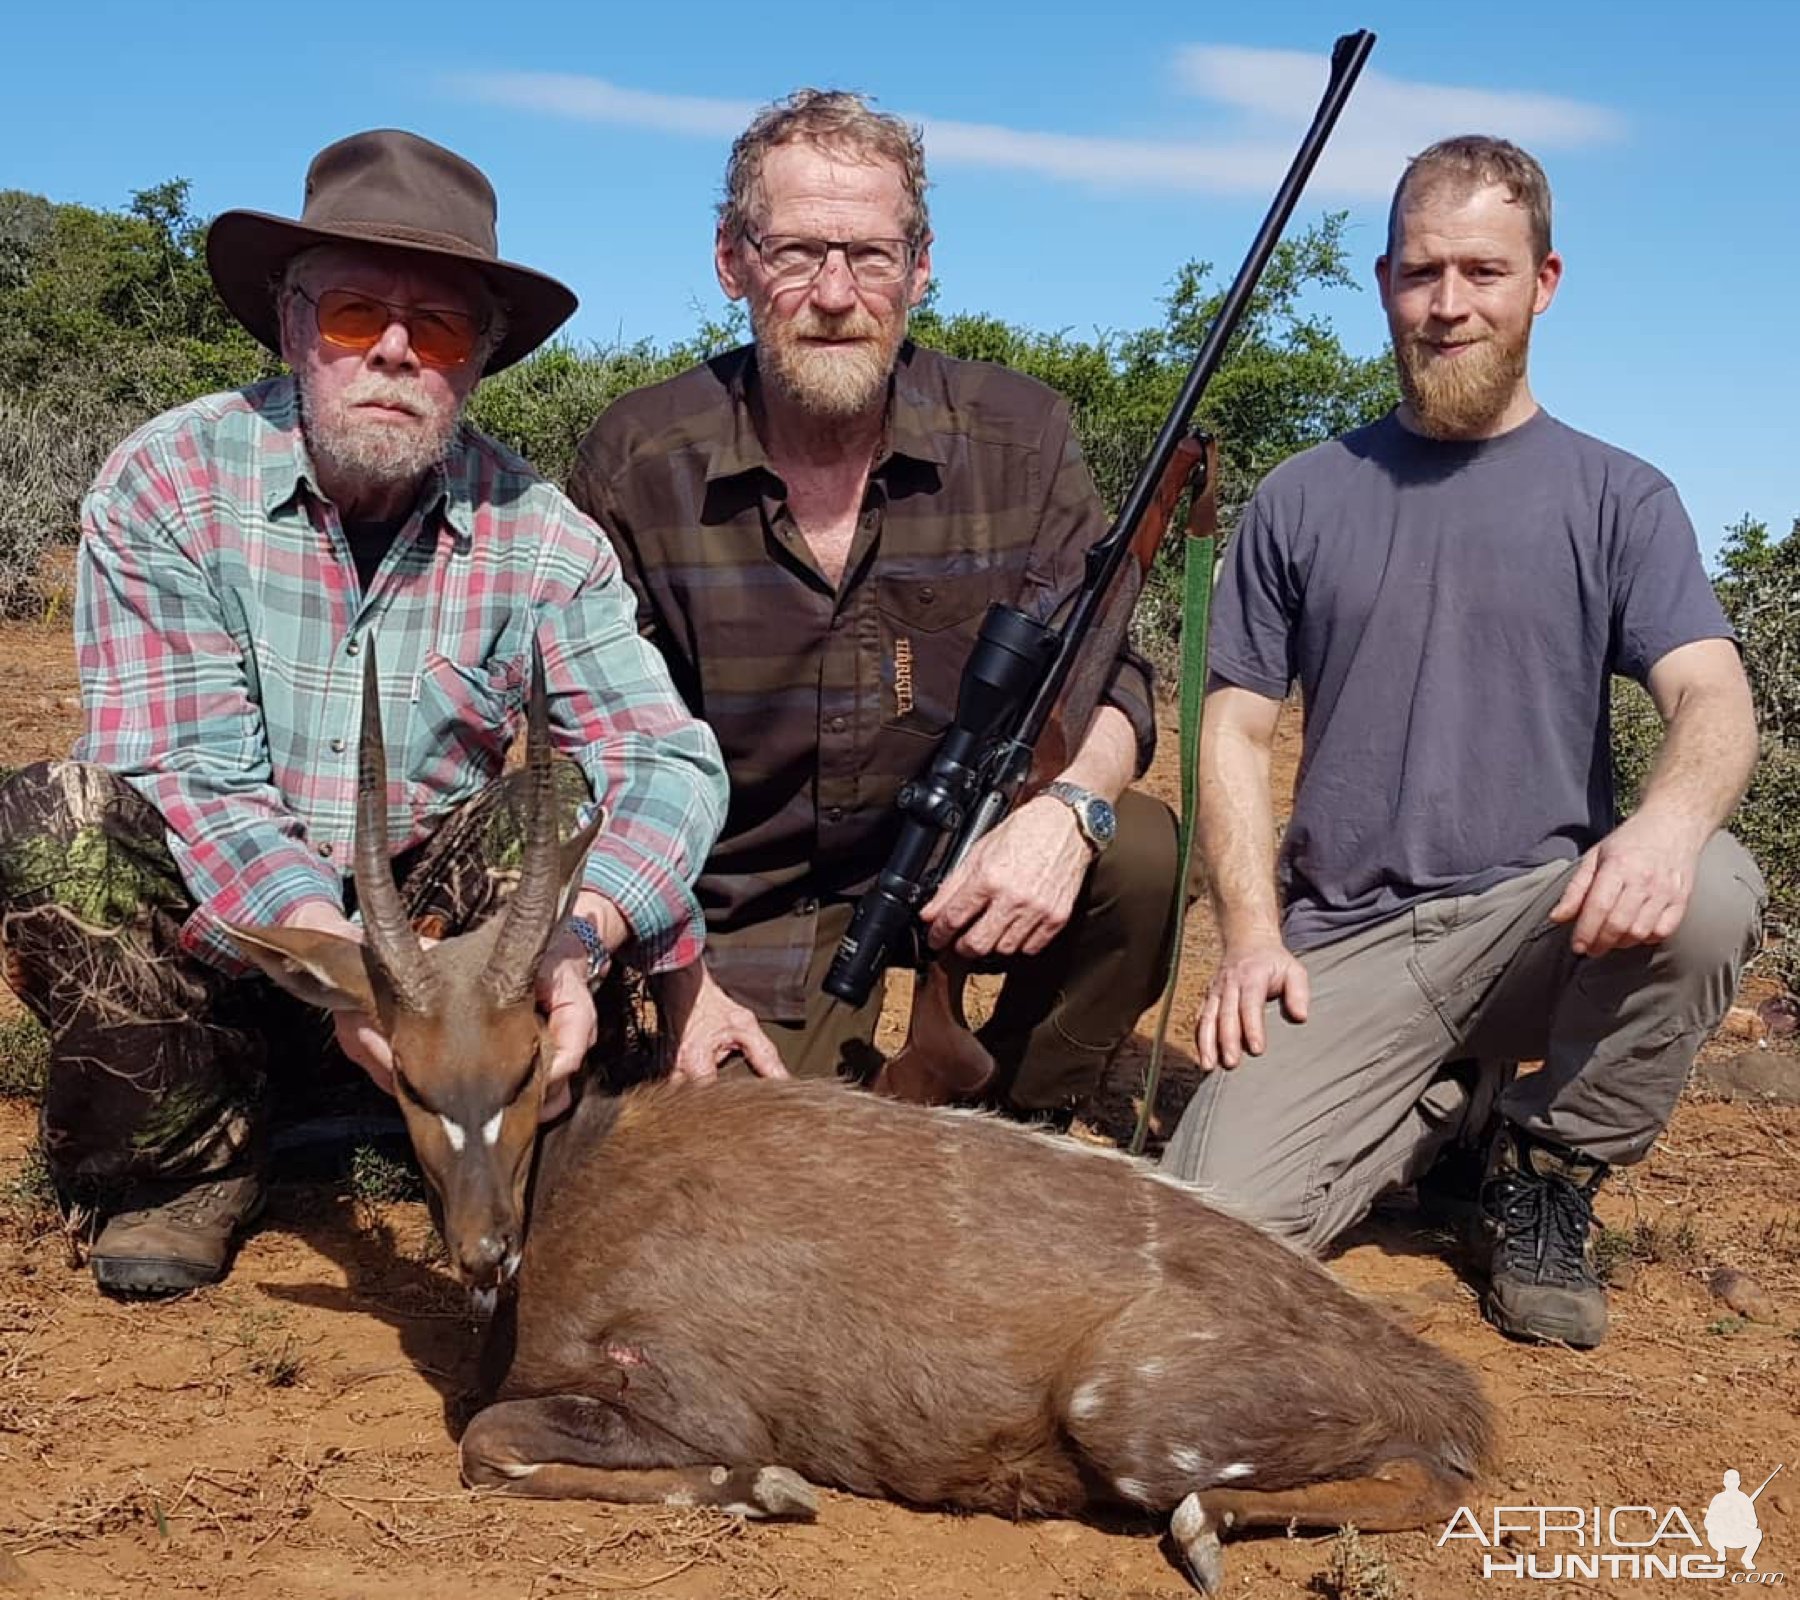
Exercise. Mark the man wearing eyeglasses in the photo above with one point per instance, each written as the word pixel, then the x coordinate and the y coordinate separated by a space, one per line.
pixel 815 524
pixel 240 557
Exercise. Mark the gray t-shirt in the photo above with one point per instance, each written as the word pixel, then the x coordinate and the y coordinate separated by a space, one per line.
pixel 1453 613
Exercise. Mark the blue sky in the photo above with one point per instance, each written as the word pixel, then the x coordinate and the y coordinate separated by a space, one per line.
pixel 1078 154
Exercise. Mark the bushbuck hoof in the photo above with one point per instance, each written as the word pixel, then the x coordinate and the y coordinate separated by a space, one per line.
pixel 782 1492
pixel 1197 1541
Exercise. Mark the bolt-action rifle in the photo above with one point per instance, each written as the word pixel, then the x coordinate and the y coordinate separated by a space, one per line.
pixel 1024 677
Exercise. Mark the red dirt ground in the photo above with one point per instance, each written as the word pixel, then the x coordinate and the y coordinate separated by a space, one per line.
pixel 289 1434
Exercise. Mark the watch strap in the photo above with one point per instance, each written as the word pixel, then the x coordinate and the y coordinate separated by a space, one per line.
pixel 597 953
pixel 1078 799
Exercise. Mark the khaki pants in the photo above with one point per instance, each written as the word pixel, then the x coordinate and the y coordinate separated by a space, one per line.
pixel 1062 1013
pixel 1358 1100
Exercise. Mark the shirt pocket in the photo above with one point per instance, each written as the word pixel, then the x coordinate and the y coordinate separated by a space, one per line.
pixel 463 716
pixel 927 629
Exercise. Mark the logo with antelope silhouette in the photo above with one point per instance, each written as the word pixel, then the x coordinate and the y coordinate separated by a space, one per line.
pixel 1564 1543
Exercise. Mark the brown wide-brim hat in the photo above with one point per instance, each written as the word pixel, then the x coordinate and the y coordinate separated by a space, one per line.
pixel 384 187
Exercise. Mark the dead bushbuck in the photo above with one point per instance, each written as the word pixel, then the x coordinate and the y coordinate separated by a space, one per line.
pixel 731 1291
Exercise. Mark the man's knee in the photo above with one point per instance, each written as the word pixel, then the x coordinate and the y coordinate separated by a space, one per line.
pixel 55 801
pixel 1238 1166
pixel 1722 926
pixel 50 814
pixel 1132 885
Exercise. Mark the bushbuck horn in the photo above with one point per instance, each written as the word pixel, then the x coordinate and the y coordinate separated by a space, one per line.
pixel 390 940
pixel 531 912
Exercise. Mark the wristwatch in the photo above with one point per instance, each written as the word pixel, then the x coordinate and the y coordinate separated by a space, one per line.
pixel 597 953
pixel 1095 817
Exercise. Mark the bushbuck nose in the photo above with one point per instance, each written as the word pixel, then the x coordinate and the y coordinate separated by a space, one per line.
pixel 481 1258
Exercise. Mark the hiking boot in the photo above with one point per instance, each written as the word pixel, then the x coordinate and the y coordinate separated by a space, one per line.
pixel 1537 1215
pixel 177 1236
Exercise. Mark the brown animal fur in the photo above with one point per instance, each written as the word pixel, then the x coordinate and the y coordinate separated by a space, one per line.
pixel 937 1307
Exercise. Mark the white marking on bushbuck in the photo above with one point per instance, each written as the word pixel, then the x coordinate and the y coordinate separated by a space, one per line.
pixel 1237 1469
pixel 1186 1460
pixel 453 1131
pixel 1150 1370
pixel 490 1130
pixel 1132 1489
pixel 517 1469
pixel 1085 1401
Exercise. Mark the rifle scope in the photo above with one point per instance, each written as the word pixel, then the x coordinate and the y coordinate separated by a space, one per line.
pixel 1011 653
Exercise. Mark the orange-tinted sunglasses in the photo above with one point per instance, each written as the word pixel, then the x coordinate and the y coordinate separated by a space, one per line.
pixel 351 320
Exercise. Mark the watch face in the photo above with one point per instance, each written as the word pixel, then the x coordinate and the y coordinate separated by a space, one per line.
pixel 1102 820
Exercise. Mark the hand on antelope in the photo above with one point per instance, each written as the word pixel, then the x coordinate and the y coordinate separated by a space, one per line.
pixel 709 1027
pixel 479 1032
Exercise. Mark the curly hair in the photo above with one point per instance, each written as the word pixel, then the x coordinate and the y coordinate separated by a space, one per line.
pixel 834 120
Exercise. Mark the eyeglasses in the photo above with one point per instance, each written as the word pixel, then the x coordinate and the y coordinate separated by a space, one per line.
pixel 348 319
pixel 792 259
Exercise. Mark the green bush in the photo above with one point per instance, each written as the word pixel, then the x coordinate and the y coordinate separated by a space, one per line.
pixel 24 1058
pixel 49 453
pixel 1759 586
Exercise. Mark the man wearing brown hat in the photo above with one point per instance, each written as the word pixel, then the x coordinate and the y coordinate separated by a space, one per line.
pixel 239 557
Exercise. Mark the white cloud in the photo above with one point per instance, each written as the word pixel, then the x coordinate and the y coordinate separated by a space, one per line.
pixel 1273 92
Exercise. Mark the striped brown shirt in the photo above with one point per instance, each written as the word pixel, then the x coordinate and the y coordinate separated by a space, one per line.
pixel 825 701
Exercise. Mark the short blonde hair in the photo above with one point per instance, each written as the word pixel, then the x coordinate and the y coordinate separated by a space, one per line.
pixel 1473 161
pixel 834 120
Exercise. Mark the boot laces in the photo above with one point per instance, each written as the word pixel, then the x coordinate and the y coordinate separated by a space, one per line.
pixel 1545 1222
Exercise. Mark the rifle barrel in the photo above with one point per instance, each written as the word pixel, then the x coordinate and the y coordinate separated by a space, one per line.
pixel 1347 58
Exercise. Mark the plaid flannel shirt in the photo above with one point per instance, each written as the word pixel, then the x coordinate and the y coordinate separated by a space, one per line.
pixel 827 699
pixel 220 627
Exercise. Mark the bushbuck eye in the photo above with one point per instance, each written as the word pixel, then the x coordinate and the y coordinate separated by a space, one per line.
pixel 523 1082
pixel 403 1086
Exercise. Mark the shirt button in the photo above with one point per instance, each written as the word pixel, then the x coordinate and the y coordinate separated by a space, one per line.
pixel 837 725
pixel 927 594
pixel 325 849
pixel 806 908
pixel 337 747
pixel 352 647
pixel 834 814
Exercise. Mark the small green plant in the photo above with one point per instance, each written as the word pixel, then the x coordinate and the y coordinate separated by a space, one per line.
pixel 1675 1243
pixel 1726 1326
pixel 1612 1252
pixel 1353 1572
pixel 28 1196
pixel 24 1058
pixel 268 1349
pixel 377 1179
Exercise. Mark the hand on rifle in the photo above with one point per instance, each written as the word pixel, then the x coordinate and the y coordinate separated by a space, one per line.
pixel 1249 975
pixel 1014 891
pixel 710 1027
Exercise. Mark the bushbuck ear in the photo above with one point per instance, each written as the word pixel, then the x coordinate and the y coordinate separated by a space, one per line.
pixel 323 969
pixel 574 857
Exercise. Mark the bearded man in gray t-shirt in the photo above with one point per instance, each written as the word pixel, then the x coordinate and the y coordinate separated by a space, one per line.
pixel 1453 588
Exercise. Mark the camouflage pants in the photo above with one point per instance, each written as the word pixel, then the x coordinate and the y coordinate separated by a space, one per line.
pixel 161 1065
